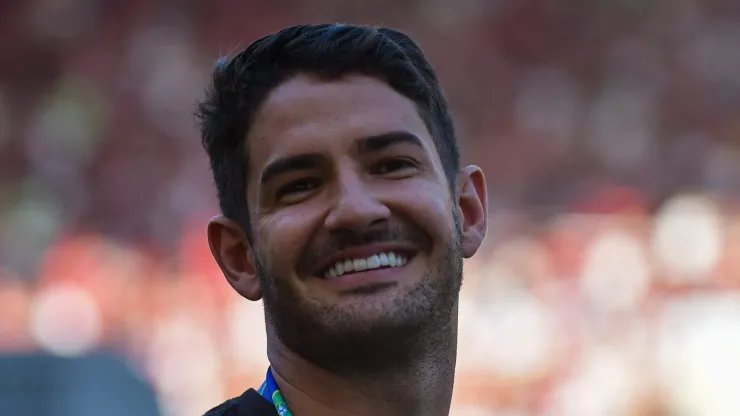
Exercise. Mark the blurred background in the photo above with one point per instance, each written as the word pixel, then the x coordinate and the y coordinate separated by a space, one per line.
pixel 609 131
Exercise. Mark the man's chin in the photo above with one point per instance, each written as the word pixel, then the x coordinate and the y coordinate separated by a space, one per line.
pixel 362 337
pixel 373 320
pixel 374 317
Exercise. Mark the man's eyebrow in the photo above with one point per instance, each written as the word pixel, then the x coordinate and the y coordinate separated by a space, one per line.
pixel 379 142
pixel 369 144
pixel 290 164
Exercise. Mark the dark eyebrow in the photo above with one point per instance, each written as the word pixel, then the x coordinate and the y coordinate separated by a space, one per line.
pixel 365 145
pixel 291 163
pixel 379 142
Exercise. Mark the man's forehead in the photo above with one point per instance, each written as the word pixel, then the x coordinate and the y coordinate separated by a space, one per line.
pixel 306 113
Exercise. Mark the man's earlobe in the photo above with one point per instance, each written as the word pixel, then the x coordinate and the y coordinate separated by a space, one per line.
pixel 472 206
pixel 233 253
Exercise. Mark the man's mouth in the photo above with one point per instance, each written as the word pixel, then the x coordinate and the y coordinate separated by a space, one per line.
pixel 380 260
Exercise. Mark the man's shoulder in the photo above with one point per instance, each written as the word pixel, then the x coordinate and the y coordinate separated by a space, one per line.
pixel 250 403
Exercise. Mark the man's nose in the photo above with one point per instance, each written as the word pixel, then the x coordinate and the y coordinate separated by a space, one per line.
pixel 356 207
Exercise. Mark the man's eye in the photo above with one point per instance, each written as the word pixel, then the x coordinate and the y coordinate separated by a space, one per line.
pixel 394 165
pixel 296 187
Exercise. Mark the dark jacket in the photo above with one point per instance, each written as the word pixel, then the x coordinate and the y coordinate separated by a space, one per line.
pixel 250 403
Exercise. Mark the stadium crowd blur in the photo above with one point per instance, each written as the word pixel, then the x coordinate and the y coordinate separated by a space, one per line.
pixel 609 132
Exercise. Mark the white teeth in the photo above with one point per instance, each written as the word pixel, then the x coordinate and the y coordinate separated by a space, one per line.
pixel 360 265
pixel 389 259
pixel 373 262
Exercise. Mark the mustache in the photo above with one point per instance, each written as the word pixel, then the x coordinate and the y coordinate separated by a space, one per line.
pixel 340 240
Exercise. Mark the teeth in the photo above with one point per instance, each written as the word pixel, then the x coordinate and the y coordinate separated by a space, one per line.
pixel 389 259
pixel 373 262
pixel 360 265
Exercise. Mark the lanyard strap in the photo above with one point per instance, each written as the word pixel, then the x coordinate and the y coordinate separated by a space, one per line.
pixel 270 391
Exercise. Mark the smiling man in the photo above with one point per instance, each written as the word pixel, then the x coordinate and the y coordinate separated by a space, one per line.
pixel 345 210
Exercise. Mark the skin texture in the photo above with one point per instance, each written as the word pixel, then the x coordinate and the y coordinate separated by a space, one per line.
pixel 342 168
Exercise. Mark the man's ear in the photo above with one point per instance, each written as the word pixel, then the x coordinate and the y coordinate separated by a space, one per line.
pixel 234 255
pixel 472 207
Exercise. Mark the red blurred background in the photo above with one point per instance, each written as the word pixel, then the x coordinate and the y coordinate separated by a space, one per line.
pixel 609 132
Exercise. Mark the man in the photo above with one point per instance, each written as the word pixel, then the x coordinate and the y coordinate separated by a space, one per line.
pixel 346 211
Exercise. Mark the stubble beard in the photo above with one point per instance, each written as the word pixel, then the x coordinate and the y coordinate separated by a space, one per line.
pixel 369 339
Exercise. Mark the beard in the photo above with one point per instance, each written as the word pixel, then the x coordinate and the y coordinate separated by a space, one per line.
pixel 372 334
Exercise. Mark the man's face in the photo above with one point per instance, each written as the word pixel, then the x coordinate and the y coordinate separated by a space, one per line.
pixel 356 237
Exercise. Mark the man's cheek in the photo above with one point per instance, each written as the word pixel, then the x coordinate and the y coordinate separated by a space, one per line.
pixel 432 214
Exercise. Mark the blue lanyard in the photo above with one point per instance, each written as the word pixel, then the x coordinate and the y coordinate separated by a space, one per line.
pixel 271 392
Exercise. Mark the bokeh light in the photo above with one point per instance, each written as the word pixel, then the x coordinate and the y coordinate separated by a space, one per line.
pixel 616 273
pixel 688 237
pixel 65 320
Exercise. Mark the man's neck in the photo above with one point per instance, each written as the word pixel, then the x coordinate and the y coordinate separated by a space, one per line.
pixel 422 387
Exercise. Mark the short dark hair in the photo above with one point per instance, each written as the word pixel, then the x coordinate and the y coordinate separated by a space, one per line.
pixel 240 85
